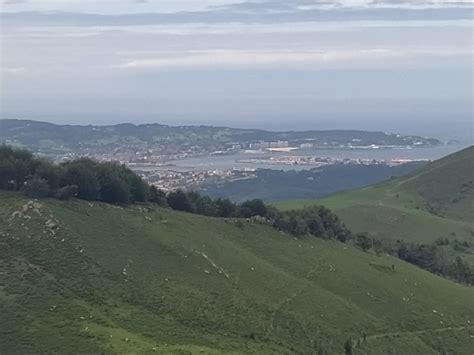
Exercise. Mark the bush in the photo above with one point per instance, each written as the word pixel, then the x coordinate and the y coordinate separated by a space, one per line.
pixel 114 190
pixel 36 187
pixel 178 200
pixel 225 207
pixel 16 166
pixel 348 347
pixel 251 208
pixel 82 173
pixel 66 192
pixel 157 196
pixel 363 241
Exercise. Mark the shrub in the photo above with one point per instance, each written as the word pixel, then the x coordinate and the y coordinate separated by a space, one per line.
pixel 178 200
pixel 363 241
pixel 348 347
pixel 36 187
pixel 66 192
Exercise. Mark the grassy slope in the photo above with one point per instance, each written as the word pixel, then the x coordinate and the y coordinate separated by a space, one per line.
pixel 130 280
pixel 435 201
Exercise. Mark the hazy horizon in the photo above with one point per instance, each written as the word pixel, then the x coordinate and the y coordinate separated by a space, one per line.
pixel 403 66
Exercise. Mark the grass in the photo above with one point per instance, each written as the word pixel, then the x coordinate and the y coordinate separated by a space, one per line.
pixel 145 280
pixel 433 202
pixel 381 213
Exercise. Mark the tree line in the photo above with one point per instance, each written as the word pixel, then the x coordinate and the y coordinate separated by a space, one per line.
pixel 83 178
pixel 111 182
pixel 115 183
pixel 431 257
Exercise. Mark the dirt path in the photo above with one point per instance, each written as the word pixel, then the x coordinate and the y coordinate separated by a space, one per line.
pixel 288 300
pixel 415 332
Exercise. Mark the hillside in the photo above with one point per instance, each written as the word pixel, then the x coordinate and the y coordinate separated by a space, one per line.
pixel 433 202
pixel 276 185
pixel 97 277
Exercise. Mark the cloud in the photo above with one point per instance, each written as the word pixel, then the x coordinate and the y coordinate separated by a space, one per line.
pixel 14 70
pixel 307 58
pixel 231 28
pixel 424 3
pixel 268 6
pixel 13 2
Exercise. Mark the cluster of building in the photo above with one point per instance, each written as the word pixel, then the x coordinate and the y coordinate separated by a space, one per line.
pixel 266 145
pixel 169 180
pixel 319 161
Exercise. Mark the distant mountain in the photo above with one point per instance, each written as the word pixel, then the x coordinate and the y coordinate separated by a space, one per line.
pixel 436 201
pixel 48 138
pixel 79 276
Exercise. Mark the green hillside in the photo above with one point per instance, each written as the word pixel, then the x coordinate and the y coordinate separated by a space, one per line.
pixel 91 277
pixel 433 202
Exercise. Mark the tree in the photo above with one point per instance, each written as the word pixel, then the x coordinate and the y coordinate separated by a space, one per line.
pixel 36 187
pixel 225 207
pixel 178 200
pixel 206 206
pixel 348 347
pixel 50 172
pixel 82 173
pixel 128 185
pixel 363 241
pixel 113 189
pixel 157 196
pixel 66 192
pixel 251 208
pixel 138 189
pixel 315 225
pixel 298 225
pixel 7 175
pixel 16 166
pixel 461 270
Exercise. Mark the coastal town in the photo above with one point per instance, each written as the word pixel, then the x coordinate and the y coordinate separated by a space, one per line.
pixel 161 153
pixel 169 178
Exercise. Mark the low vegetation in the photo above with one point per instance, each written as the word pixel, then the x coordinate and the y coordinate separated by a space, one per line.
pixel 424 218
pixel 432 257
pixel 140 278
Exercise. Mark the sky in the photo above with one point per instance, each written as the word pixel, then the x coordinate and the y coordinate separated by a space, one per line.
pixel 399 66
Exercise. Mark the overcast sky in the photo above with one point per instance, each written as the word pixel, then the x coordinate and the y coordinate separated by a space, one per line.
pixel 279 64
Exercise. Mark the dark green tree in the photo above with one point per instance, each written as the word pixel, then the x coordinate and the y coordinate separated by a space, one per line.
pixel 251 208
pixel 82 173
pixel 178 200
pixel 225 207
pixel 36 187
pixel 113 189
pixel 363 241
pixel 348 347
pixel 157 196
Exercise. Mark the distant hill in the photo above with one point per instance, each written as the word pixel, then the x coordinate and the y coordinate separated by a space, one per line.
pixel 276 185
pixel 446 186
pixel 433 202
pixel 92 277
pixel 48 138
